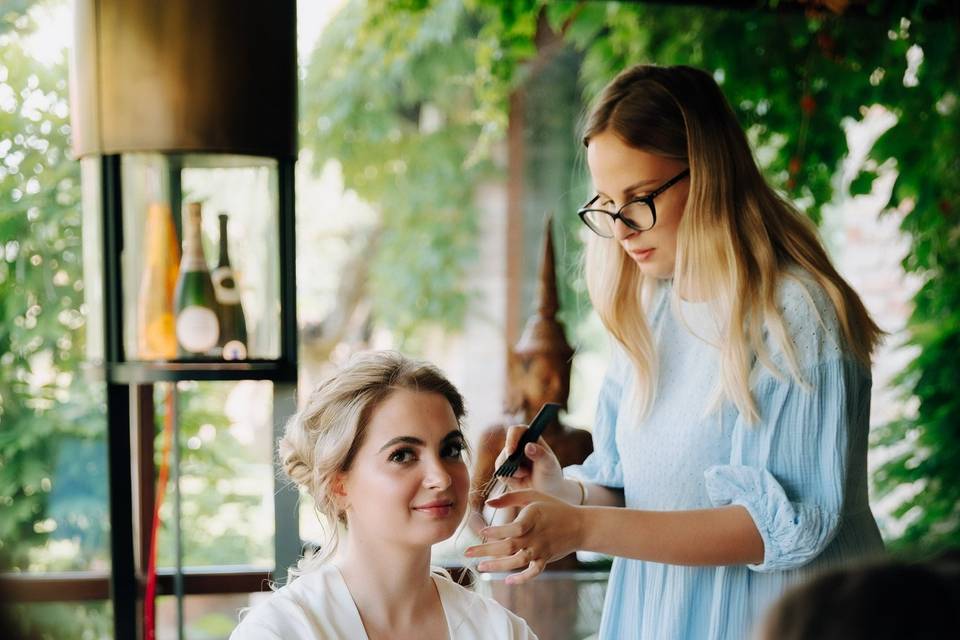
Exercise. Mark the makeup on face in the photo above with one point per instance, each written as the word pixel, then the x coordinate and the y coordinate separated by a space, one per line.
pixel 409 480
pixel 621 173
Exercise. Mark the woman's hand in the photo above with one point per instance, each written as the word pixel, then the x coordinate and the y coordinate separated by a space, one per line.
pixel 546 529
pixel 542 474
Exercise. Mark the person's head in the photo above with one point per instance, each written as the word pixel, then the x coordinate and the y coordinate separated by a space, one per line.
pixel 667 137
pixel 877 601
pixel 378 447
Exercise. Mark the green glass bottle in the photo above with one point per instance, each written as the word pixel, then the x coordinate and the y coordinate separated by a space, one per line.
pixel 195 304
pixel 233 325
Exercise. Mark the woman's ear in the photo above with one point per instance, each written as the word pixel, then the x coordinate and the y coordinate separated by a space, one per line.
pixel 338 490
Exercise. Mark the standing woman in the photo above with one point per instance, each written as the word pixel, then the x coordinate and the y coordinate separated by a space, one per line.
pixel 731 432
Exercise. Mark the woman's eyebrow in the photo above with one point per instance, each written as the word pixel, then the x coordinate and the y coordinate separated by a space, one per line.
pixel 417 442
pixel 631 188
pixel 404 439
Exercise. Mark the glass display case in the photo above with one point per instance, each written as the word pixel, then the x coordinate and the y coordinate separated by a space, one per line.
pixel 198 259
pixel 238 233
pixel 196 279
pixel 187 139
pixel 189 276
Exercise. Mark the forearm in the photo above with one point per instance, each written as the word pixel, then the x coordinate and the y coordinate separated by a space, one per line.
pixel 597 495
pixel 721 536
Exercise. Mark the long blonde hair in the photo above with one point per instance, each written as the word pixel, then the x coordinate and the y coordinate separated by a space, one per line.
pixel 321 440
pixel 736 239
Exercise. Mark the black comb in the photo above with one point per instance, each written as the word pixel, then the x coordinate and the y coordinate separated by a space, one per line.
pixel 546 415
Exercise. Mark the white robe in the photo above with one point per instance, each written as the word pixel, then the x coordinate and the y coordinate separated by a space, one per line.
pixel 318 606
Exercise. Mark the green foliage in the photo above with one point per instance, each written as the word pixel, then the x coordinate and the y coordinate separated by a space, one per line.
pixel 924 145
pixel 793 79
pixel 51 465
pixel 387 95
pixel 49 621
pixel 53 477
pixel 222 498
pixel 410 99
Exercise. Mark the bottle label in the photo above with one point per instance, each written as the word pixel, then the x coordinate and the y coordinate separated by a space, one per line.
pixel 197 329
pixel 224 286
pixel 234 350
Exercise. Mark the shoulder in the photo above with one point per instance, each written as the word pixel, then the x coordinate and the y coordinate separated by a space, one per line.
pixel 803 300
pixel 809 319
pixel 472 615
pixel 288 611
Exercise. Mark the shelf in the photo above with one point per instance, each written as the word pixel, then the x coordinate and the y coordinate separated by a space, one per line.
pixel 146 372
pixel 95 585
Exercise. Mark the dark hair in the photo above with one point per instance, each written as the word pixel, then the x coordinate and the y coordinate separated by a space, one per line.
pixel 880 600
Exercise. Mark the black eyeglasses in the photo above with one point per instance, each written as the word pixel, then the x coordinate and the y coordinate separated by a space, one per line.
pixel 638 214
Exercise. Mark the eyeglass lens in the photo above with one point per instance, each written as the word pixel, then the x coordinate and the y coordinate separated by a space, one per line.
pixel 639 214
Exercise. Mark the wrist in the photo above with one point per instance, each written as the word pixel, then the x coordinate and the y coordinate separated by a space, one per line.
pixel 574 492
pixel 581 526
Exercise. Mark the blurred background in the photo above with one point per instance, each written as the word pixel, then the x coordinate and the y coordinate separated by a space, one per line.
pixel 435 138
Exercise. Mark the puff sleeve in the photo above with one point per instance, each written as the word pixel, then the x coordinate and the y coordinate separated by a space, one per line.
pixel 602 467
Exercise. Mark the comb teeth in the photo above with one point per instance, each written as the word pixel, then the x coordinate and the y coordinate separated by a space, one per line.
pixel 547 413
pixel 507 469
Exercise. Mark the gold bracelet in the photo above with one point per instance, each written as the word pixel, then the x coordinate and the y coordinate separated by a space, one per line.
pixel 583 491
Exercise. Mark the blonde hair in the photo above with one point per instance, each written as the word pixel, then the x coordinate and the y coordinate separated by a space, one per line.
pixel 737 236
pixel 321 440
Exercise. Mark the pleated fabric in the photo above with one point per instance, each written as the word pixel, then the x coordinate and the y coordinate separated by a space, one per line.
pixel 800 471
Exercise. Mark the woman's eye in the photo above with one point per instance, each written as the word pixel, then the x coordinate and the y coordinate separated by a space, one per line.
pixel 402 456
pixel 453 450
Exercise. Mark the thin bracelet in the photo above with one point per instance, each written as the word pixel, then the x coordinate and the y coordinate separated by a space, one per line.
pixel 583 491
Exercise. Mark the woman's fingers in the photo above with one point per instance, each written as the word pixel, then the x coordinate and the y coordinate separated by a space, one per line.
pixel 519 498
pixel 497 548
pixel 513 529
pixel 513 438
pixel 510 443
pixel 515 561
pixel 534 569
pixel 544 530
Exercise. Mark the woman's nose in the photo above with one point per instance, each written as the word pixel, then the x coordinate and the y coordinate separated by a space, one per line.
pixel 621 231
pixel 437 476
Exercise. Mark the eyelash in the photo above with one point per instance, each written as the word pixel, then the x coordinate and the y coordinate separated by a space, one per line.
pixel 396 455
pixel 631 198
pixel 459 447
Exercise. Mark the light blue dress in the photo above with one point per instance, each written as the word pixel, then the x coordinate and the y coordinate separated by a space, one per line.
pixel 800 471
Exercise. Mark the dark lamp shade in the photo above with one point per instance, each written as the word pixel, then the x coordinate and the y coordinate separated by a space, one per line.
pixel 214 76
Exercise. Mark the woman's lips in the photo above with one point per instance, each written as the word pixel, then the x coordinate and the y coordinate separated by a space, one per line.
pixel 641 255
pixel 440 509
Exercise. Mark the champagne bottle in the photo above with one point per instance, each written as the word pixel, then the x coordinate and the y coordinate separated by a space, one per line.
pixel 233 325
pixel 198 329
pixel 156 337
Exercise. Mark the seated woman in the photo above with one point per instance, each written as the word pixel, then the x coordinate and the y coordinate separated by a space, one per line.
pixel 378 447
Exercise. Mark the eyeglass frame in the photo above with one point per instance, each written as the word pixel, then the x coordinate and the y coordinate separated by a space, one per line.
pixel 647 200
